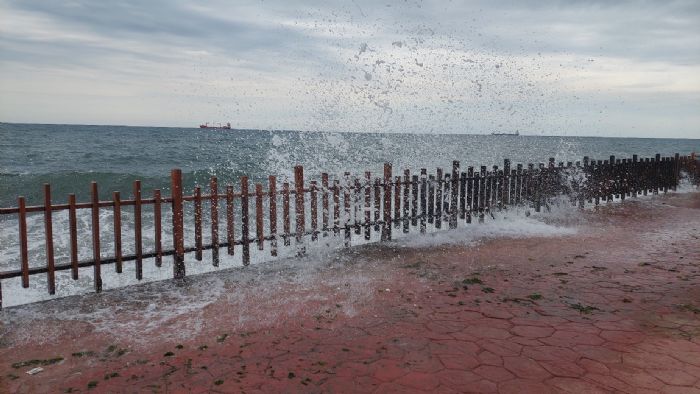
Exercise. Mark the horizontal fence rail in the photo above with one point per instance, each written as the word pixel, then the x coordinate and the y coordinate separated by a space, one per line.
pixel 328 207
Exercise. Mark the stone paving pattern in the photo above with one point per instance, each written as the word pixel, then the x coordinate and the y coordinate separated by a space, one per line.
pixel 615 308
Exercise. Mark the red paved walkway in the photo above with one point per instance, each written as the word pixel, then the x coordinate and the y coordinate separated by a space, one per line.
pixel 615 308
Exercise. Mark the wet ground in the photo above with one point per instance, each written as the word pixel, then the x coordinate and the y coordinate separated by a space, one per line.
pixel 614 307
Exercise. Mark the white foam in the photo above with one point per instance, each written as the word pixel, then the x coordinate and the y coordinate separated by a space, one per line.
pixel 505 225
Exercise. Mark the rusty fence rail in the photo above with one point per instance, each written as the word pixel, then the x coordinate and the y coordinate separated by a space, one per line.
pixel 380 204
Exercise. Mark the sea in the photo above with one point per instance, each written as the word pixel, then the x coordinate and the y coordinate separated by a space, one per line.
pixel 70 157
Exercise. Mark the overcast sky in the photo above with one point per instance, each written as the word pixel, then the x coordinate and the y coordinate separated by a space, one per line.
pixel 603 68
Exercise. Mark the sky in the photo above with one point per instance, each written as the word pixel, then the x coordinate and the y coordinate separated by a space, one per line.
pixel 598 68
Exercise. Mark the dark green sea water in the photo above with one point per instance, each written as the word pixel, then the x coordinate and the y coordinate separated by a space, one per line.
pixel 69 157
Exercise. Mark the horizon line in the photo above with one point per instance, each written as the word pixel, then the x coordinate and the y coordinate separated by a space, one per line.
pixel 346 132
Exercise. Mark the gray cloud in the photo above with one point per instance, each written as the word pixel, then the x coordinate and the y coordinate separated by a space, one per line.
pixel 458 66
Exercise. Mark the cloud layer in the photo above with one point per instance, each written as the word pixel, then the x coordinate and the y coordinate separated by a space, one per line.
pixel 553 67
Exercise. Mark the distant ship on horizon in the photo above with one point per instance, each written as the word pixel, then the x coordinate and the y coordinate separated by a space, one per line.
pixel 227 126
pixel 514 134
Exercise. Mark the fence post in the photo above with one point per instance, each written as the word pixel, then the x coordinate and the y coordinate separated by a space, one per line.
pixel 453 194
pixel 95 237
pixel 377 202
pixel 633 174
pixel 23 249
pixel 178 231
pixel 117 214
pixel 541 187
pixel 356 206
pixel 580 184
pixel 230 236
pixel 508 181
pixel 423 199
pixel 245 222
pixel 414 200
pixel 440 180
pixel 285 214
pixel 470 197
pixel 259 231
pixel 324 203
pixel 386 229
pixel 462 195
pixel 368 205
pixel 518 183
pixel 272 183
pixel 336 207
pixel 48 229
pixel 406 192
pixel 646 182
pixel 157 227
pixel 657 173
pixel 346 204
pixel 214 205
pixel 397 201
pixel 676 171
pixel 198 223
pixel 314 210
pixel 138 244
pixel 299 206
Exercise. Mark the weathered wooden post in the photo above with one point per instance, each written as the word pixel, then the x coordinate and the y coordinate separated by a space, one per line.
pixel 453 194
pixel 622 178
pixel 676 171
pixel 259 229
pixel 272 183
pixel 23 245
pixel 423 199
pixel 414 200
pixel 508 182
pixel 470 192
pixel 438 197
pixel 406 192
pixel 230 237
pixel 397 201
pixel 214 205
pixel 48 236
pixel 178 231
pixel 356 205
pixel 431 198
pixel 580 185
pixel 324 203
pixel 245 221
pixel 157 227
pixel 314 210
pixel 73 229
pixel 377 202
pixel 336 207
pixel 657 173
pixel 634 174
pixel 346 202
pixel 198 223
pixel 95 240
pixel 138 243
pixel 540 187
pixel 646 170
pixel 462 195
pixel 368 205
pixel 286 226
pixel 386 230
pixel 519 184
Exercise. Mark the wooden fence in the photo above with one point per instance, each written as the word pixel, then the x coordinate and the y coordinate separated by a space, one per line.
pixel 386 204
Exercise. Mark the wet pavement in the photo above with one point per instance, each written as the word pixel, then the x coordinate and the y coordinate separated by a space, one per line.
pixel 613 308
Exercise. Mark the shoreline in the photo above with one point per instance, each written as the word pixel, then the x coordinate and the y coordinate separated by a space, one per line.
pixel 603 309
